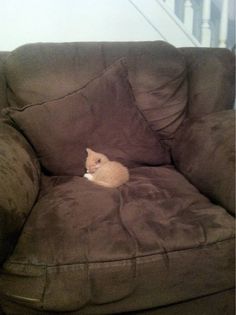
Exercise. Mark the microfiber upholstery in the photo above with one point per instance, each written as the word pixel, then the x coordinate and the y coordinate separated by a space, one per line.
pixel 19 182
pixel 102 116
pixel 163 240
pixel 45 71
pixel 3 86
pixel 204 151
pixel 211 80
pixel 85 247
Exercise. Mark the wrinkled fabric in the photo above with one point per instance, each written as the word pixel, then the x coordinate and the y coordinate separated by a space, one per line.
pixel 160 90
pixel 204 151
pixel 19 185
pixel 3 86
pixel 217 304
pixel 211 80
pixel 102 116
pixel 84 244
pixel 154 242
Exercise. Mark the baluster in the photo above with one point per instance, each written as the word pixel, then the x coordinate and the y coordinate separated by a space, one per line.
pixel 206 28
pixel 188 15
pixel 223 24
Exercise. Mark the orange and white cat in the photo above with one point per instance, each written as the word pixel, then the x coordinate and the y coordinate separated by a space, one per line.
pixel 104 172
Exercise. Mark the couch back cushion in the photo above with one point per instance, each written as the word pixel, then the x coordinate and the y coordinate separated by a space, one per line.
pixel 211 80
pixel 157 72
pixel 3 88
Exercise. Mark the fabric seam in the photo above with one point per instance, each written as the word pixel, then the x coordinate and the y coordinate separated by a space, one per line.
pixel 123 260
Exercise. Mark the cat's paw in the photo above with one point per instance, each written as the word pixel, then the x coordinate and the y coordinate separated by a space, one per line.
pixel 88 176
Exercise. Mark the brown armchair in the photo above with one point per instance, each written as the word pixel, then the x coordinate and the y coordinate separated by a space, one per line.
pixel 163 243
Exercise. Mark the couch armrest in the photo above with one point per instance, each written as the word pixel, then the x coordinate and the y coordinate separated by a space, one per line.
pixel 203 150
pixel 19 185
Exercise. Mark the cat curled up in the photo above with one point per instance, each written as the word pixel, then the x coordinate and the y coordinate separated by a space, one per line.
pixel 104 172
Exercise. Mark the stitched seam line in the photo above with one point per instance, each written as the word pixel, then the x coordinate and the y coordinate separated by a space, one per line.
pixel 125 259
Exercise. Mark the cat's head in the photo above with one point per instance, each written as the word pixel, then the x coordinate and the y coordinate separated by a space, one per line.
pixel 94 160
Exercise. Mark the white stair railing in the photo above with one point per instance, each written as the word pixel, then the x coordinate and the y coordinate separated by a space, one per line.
pixel 223 24
pixel 210 33
pixel 206 27
pixel 188 15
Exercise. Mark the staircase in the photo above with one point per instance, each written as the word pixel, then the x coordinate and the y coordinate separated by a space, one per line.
pixel 200 23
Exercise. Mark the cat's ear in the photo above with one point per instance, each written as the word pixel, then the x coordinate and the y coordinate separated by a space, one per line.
pixel 89 151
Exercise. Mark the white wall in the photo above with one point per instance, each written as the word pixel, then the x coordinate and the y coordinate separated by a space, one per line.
pixel 29 21
pixel 24 21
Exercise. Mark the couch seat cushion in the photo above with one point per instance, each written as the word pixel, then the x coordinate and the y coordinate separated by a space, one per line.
pixel 154 241
pixel 102 116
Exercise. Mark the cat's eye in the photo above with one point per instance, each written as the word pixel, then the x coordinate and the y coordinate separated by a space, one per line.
pixel 98 161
